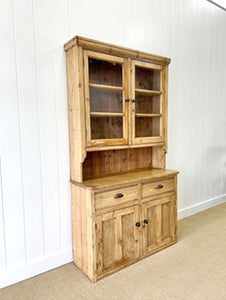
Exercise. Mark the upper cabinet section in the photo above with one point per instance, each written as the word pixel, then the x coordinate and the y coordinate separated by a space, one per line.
pixel 121 98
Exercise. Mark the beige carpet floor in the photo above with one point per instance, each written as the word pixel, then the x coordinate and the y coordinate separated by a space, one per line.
pixel 194 268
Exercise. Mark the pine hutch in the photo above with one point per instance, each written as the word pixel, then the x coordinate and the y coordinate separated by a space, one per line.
pixel 124 200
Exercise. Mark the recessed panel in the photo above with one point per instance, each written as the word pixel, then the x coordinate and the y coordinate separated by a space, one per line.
pixel 128 250
pixel 109 242
pixel 151 226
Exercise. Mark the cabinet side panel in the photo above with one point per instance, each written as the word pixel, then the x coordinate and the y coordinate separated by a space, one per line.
pixel 88 231
pixel 76 225
pixel 83 229
pixel 158 157
pixel 175 212
pixel 165 105
pixel 76 112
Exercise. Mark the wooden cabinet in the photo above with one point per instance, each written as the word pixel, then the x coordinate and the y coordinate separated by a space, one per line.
pixel 124 201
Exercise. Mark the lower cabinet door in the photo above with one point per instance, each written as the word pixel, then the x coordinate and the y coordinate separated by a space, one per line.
pixel 117 236
pixel 158 223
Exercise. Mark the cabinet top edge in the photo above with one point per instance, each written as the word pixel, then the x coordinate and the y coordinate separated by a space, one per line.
pixel 91 44
pixel 127 178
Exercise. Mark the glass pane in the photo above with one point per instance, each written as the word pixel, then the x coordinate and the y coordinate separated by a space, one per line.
pixel 105 100
pixel 147 127
pixel 105 72
pixel 106 127
pixel 147 104
pixel 147 79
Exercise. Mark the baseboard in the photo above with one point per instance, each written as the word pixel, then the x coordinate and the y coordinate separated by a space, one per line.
pixel 32 268
pixel 193 209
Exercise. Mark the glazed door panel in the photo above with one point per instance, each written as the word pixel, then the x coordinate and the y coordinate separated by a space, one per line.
pixel 106 88
pixel 117 239
pixel 147 102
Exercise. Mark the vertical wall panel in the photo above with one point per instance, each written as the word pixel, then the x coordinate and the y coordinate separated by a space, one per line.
pixel 35 222
pixel 59 33
pixel 47 121
pixel 29 125
pixel 10 143
pixel 3 260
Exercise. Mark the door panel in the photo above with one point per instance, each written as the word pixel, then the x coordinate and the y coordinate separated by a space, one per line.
pixel 158 228
pixel 147 102
pixel 117 239
pixel 106 89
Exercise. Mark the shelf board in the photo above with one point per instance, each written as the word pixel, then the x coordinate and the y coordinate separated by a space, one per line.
pixel 106 87
pixel 148 115
pixel 148 92
pixel 122 146
pixel 106 114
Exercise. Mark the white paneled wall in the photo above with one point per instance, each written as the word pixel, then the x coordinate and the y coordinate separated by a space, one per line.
pixel 35 221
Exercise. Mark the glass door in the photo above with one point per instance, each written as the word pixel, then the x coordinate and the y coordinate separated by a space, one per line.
pixel 147 102
pixel 105 100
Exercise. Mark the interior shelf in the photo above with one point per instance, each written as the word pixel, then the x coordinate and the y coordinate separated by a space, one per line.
pixel 148 115
pixel 147 92
pixel 104 86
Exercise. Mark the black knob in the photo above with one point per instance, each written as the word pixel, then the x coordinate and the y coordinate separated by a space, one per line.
pixel 145 221
pixel 134 100
pixel 119 195
pixel 137 224
pixel 127 100
pixel 158 187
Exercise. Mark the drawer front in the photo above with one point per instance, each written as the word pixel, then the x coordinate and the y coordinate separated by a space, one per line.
pixel 157 187
pixel 116 196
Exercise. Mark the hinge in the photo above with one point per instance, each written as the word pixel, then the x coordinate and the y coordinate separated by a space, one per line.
pixel 97 265
pixel 95 226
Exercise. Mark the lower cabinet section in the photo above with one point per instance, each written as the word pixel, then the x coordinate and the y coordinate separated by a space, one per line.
pixel 115 226
pixel 126 235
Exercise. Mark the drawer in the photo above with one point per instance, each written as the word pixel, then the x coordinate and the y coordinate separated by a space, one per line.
pixel 157 187
pixel 116 196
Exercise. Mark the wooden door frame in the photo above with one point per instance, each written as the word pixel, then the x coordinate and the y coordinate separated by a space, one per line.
pixel 123 61
pixel 119 236
pixel 158 204
pixel 147 65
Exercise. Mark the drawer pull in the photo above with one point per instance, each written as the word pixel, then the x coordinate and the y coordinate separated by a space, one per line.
pixel 119 195
pixel 145 221
pixel 137 224
pixel 158 187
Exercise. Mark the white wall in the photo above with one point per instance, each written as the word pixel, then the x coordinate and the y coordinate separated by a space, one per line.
pixel 35 230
